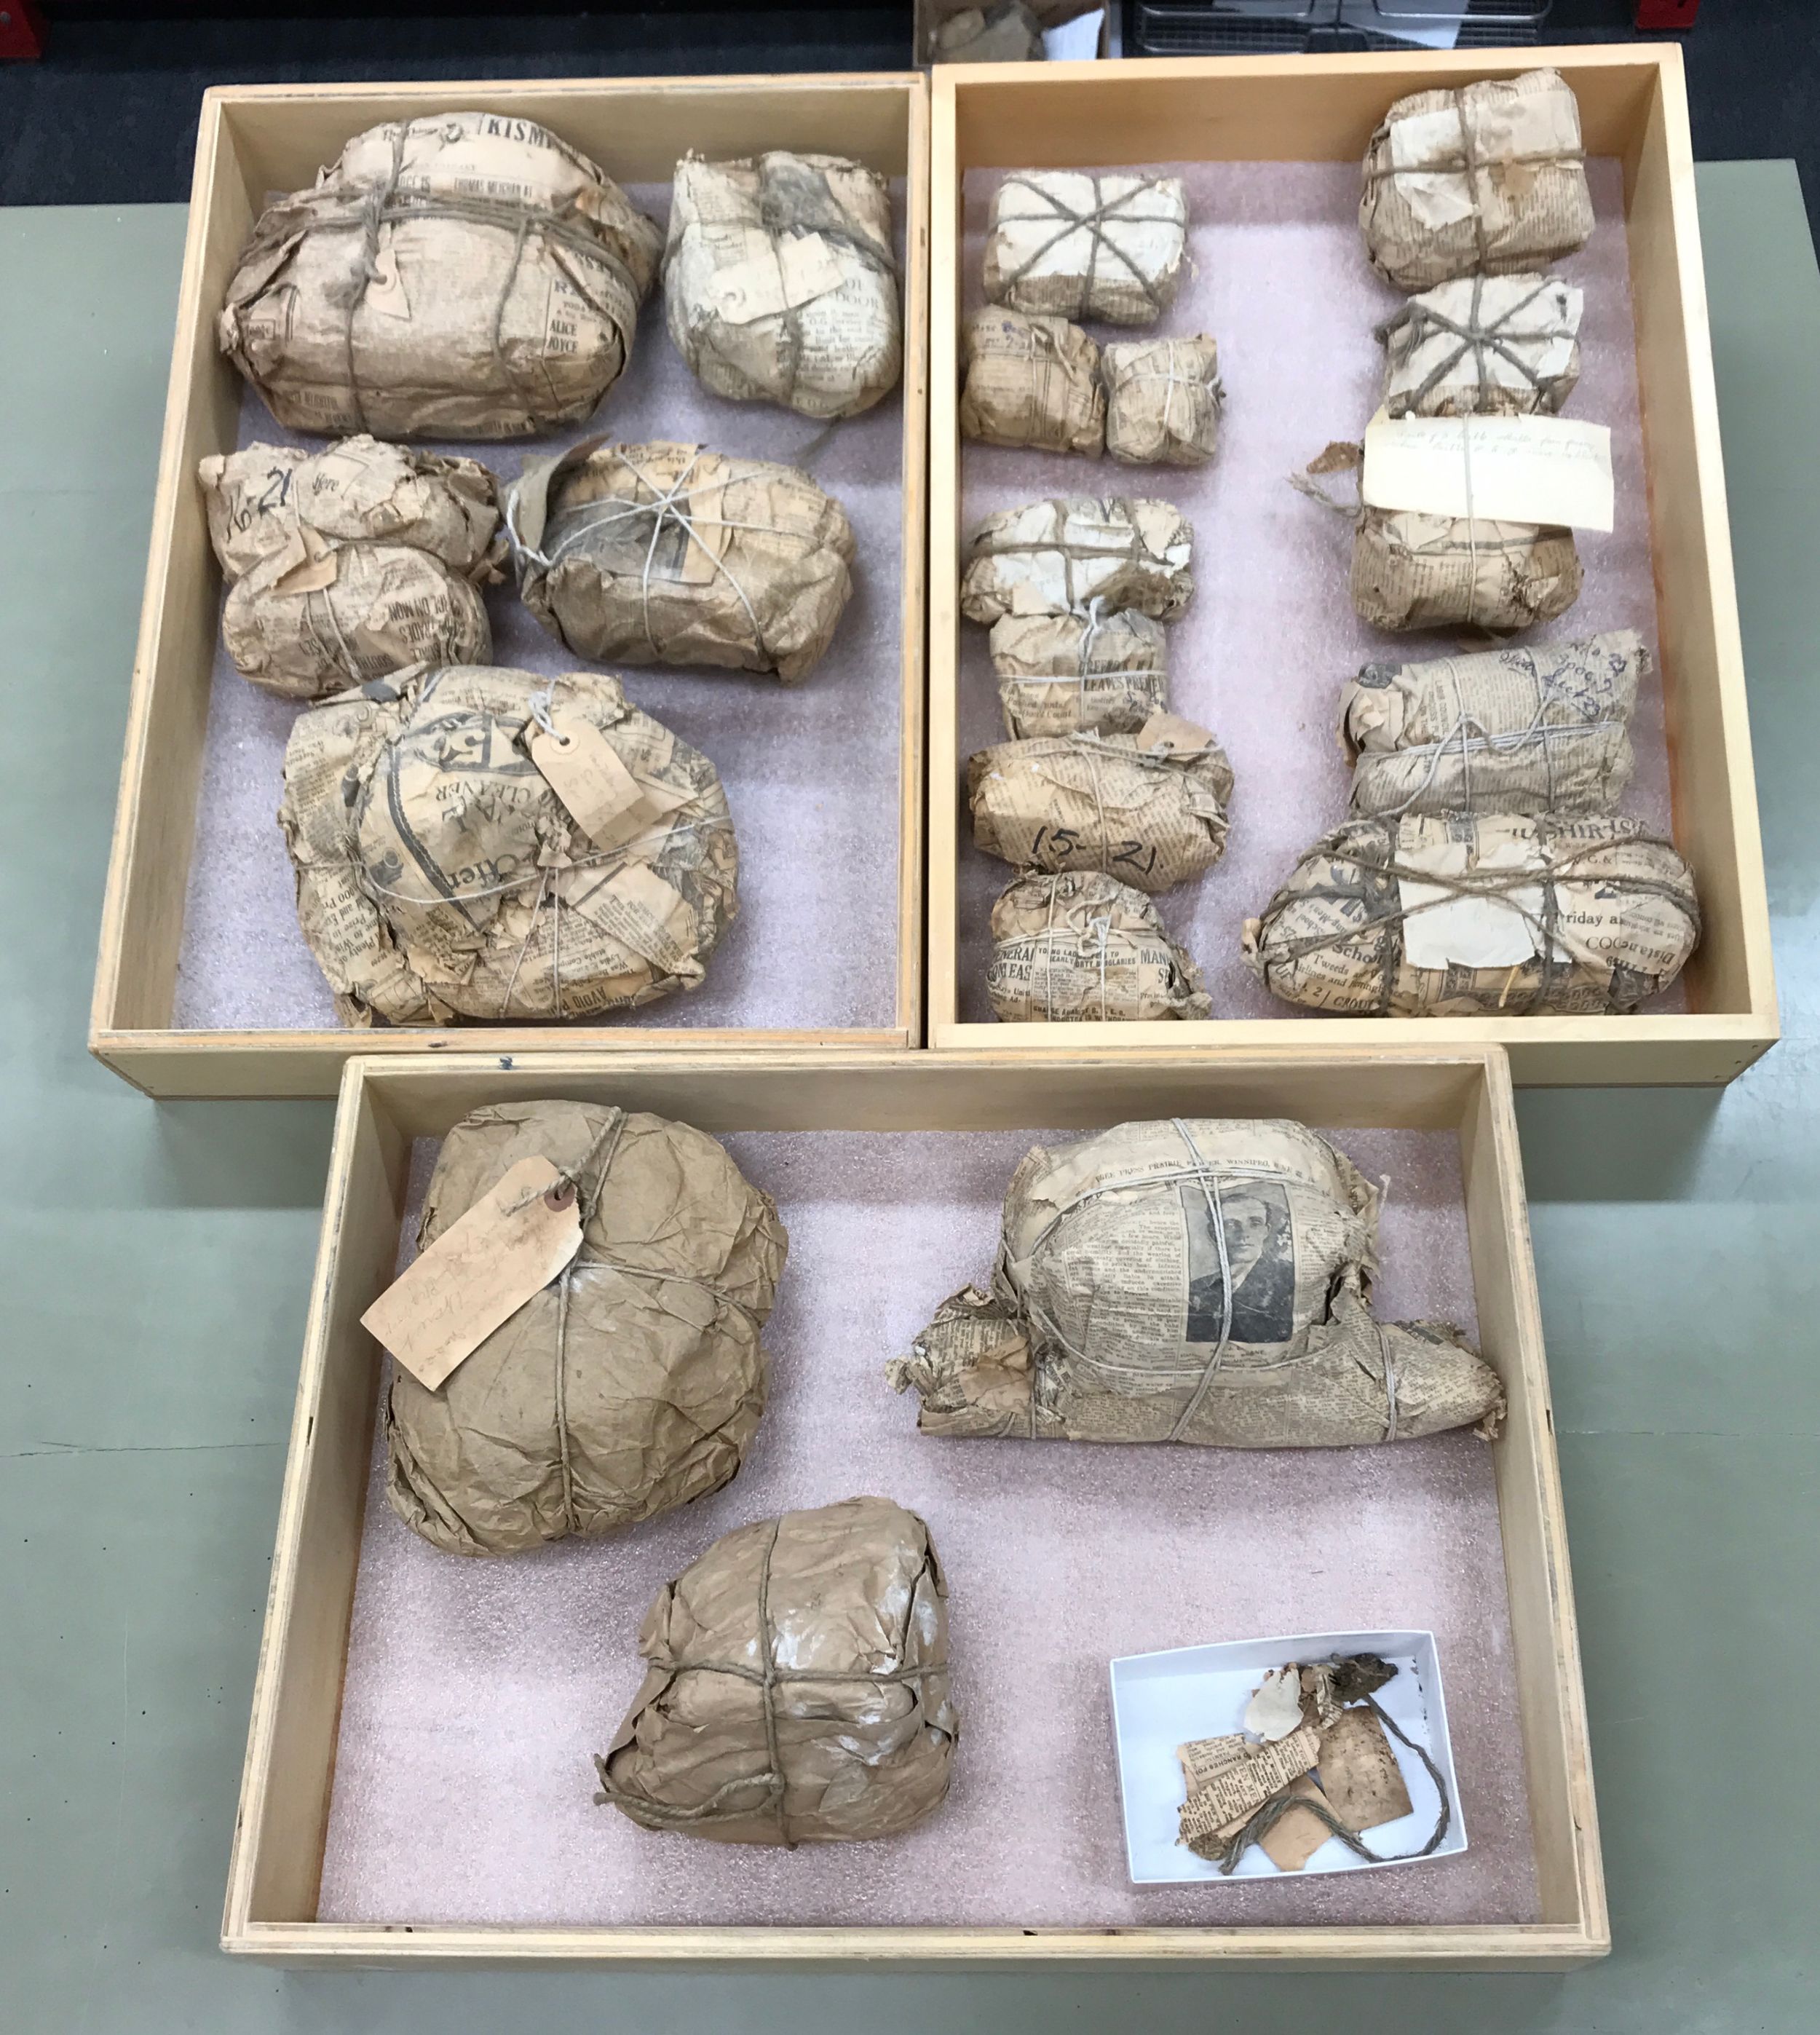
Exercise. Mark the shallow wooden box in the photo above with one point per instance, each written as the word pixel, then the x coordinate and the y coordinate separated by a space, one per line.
pixel 275 1878
pixel 254 139
pixel 1634 106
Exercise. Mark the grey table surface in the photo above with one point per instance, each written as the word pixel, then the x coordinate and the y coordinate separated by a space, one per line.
pixel 155 1263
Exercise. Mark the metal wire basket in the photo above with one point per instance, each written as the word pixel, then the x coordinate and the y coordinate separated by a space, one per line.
pixel 1236 27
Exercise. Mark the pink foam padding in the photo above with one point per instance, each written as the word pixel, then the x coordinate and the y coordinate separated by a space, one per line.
pixel 811 770
pixel 477 1691
pixel 1280 278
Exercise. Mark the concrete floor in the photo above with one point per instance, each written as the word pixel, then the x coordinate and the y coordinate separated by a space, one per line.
pixel 153 1279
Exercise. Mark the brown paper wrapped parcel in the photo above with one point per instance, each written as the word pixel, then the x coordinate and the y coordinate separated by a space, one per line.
pixel 1490 177
pixel 1162 400
pixel 781 281
pixel 440 876
pixel 1006 32
pixel 1484 346
pixel 795 1688
pixel 1413 571
pixel 1148 808
pixel 1199 1280
pixel 670 554
pixel 1031 381
pixel 634 1380
pixel 461 276
pixel 1084 947
pixel 1533 730
pixel 1056 556
pixel 1085 244
pixel 1463 916
pixel 1064 674
pixel 348 564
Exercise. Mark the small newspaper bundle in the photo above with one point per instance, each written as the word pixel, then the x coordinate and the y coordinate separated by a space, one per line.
pixel 1465 916
pixel 1148 808
pixel 671 554
pixel 1484 346
pixel 1066 674
pixel 1031 381
pixel 781 281
pixel 1006 31
pixel 1202 1280
pixel 476 842
pixel 1415 571
pixel 1520 730
pixel 1086 244
pixel 461 276
pixel 1162 400
pixel 629 1381
pixel 1085 947
pixel 1055 557
pixel 795 1687
pixel 1488 178
pixel 348 564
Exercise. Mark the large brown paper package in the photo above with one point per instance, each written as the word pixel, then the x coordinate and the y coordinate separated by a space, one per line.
pixel 461 276
pixel 1200 1281
pixel 1484 346
pixel 1031 381
pixel 1465 916
pixel 634 1380
pixel 1412 571
pixel 670 554
pixel 1489 177
pixel 796 1685
pixel 1087 244
pixel 1084 946
pixel 440 876
pixel 1520 730
pixel 781 281
pixel 1162 400
pixel 1064 674
pixel 1148 808
pixel 1056 556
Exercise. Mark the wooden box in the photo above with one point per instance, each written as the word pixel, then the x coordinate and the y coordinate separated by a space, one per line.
pixel 1464 1096
pixel 1323 109
pixel 257 140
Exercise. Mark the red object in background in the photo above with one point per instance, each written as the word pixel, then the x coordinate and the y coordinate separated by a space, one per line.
pixel 1650 13
pixel 21 29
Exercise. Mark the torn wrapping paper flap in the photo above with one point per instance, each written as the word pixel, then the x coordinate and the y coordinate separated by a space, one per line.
pixel 1033 381
pixel 461 276
pixel 1064 674
pixel 1525 729
pixel 1605 914
pixel 1057 557
pixel 1162 400
pixel 1490 177
pixel 1552 471
pixel 781 281
pixel 1203 1281
pixel 671 554
pixel 795 1688
pixel 631 1382
pixel 1484 346
pixel 1107 245
pixel 1084 947
pixel 440 876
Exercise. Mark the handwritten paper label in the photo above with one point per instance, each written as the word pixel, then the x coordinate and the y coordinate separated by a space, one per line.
pixel 587 773
pixel 1233 1792
pixel 479 1273
pixel 1360 1775
pixel 1528 469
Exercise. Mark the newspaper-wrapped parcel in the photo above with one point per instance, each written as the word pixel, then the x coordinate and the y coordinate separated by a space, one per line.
pixel 781 281
pixel 1484 346
pixel 1534 730
pixel 1006 32
pixel 1200 1281
pixel 1412 571
pixel 1031 381
pixel 634 1380
pixel 1490 177
pixel 1064 674
pixel 1085 947
pixel 461 276
pixel 672 555
pixel 1463 916
pixel 440 875
pixel 1053 558
pixel 1086 244
pixel 1148 808
pixel 1162 400
pixel 795 1688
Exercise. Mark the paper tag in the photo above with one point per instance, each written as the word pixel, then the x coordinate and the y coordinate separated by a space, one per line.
pixel 479 1272
pixel 587 773
pixel 1236 1790
pixel 1528 469
pixel 1172 735
pixel 640 910
pixel 307 563
pixel 1443 929
pixel 777 279
pixel 1360 1775
pixel 385 291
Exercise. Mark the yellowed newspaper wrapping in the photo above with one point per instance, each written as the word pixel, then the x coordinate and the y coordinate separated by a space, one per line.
pixel 1031 381
pixel 1162 400
pixel 1084 947
pixel 1413 571
pixel 1484 346
pixel 1056 556
pixel 1064 674
pixel 1106 245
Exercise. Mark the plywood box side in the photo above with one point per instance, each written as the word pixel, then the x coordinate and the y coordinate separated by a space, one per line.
pixel 913 732
pixel 946 243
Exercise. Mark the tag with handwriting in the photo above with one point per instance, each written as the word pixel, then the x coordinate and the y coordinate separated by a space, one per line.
pixel 1172 735
pixel 587 773
pixel 1552 471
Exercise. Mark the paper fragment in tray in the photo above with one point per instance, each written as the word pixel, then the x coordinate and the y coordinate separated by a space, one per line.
pixel 1552 471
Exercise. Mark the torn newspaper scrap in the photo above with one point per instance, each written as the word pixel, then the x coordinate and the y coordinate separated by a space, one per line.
pixel 1414 571
pixel 1064 674
pixel 1164 397
pixel 1084 947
